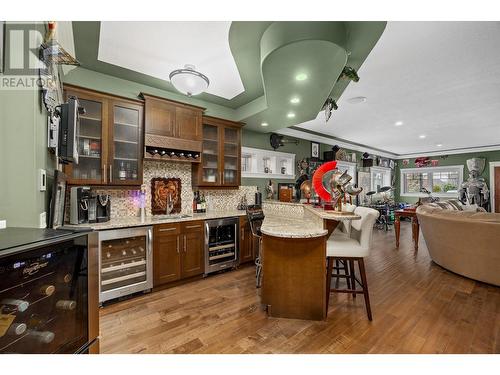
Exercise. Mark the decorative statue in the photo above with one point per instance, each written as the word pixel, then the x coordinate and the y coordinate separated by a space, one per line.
pixel 341 187
pixel 270 190
pixel 475 189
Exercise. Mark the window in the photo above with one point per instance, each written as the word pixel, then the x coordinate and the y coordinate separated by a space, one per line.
pixel 380 177
pixel 440 181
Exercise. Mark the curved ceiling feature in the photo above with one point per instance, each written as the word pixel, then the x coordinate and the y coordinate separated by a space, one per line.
pixel 317 50
pixel 266 57
pixel 170 46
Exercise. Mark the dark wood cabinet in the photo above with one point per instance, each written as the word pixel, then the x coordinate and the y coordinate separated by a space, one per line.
pixel 172 119
pixel 178 251
pixel 166 254
pixel 247 253
pixel 192 257
pixel 110 140
pixel 220 165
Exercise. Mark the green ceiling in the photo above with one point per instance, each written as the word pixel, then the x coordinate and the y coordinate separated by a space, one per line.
pixel 268 55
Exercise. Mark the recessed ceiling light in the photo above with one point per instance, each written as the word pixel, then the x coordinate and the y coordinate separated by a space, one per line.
pixel 295 100
pixel 264 124
pixel 301 77
pixel 439 144
pixel 422 136
pixel 356 100
pixel 290 115
pixel 398 123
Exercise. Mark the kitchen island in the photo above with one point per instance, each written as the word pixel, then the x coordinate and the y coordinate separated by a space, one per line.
pixel 293 255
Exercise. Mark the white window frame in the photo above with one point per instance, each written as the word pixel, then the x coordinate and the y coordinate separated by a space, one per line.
pixel 387 171
pixel 449 168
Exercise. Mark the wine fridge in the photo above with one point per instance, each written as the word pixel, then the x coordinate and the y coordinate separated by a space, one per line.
pixel 48 291
pixel 125 262
pixel 221 244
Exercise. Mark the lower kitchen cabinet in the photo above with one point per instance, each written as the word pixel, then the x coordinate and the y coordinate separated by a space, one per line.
pixel 178 251
pixel 247 253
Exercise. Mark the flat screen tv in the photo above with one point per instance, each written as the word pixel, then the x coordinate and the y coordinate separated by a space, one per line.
pixel 69 129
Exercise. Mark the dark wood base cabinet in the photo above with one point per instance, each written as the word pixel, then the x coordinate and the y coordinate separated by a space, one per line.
pixel 247 242
pixel 178 252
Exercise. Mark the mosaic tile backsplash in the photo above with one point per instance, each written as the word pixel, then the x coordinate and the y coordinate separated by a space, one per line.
pixel 127 202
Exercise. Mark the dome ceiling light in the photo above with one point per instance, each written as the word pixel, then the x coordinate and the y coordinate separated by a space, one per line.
pixel 189 81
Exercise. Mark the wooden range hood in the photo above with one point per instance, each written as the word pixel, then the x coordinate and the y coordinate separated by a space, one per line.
pixel 173 127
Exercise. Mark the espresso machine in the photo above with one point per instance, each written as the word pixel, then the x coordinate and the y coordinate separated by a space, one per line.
pixel 83 205
pixel 103 202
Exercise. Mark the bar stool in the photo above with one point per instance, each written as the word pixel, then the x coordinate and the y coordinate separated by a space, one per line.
pixel 350 249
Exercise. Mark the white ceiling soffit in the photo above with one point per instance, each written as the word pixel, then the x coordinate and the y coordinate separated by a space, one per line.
pixel 441 79
pixel 157 48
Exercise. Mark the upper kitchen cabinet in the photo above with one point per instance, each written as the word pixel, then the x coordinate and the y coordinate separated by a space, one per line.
pixel 172 127
pixel 110 140
pixel 221 153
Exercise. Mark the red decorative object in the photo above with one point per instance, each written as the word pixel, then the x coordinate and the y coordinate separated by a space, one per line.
pixel 317 179
pixel 422 162
pixel 434 162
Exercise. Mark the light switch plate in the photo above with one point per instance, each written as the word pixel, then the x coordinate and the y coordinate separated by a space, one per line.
pixel 3 224
pixel 42 180
pixel 43 220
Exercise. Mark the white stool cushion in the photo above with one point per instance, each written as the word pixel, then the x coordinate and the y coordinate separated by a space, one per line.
pixel 343 246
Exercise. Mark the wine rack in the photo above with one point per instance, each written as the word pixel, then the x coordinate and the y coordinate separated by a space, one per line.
pixel 43 305
pixel 166 154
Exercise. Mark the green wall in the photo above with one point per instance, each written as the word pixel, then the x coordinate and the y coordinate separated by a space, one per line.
pixel 23 150
pixel 455 159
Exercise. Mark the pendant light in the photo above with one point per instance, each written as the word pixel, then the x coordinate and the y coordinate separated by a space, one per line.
pixel 189 81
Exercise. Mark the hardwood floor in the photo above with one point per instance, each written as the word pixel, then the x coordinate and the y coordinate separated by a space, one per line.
pixel 418 307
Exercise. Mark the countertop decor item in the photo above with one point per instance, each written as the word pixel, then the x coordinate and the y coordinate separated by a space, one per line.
pixel 189 81
pixel 163 189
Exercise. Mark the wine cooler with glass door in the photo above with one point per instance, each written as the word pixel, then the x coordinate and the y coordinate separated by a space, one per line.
pixel 221 244
pixel 125 262
pixel 48 291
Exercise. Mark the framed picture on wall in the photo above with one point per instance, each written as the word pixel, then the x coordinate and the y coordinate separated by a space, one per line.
pixel 314 150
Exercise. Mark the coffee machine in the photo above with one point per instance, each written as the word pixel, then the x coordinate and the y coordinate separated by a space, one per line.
pixel 103 202
pixel 83 205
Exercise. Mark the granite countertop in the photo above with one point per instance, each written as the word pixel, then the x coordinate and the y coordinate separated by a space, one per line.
pixel 135 221
pixel 287 227
pixel 332 215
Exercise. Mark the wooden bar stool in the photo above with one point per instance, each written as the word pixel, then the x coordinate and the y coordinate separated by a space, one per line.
pixel 350 249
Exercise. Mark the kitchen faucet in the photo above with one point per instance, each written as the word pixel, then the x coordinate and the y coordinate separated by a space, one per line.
pixel 169 205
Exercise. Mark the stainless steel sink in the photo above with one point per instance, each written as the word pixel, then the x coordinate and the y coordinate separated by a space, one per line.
pixel 170 217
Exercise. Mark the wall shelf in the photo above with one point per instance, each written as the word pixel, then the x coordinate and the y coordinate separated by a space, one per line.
pixel 254 162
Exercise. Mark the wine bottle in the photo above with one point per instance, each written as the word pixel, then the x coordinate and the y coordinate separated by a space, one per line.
pixel 17 329
pixel 16 304
pixel 47 290
pixel 194 202
pixel 198 203
pixel 45 337
pixel 66 304
pixel 122 173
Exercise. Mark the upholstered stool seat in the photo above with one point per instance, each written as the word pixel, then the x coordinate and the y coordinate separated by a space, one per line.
pixel 342 246
pixel 344 249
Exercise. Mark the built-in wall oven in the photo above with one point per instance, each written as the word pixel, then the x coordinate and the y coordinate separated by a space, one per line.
pixel 125 262
pixel 221 244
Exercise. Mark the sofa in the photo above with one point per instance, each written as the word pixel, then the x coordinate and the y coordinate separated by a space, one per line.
pixel 466 242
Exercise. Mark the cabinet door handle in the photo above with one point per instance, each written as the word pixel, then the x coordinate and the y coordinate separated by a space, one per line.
pixel 177 244
pixel 166 229
pixel 104 177
pixel 185 244
pixel 193 226
pixel 111 173
pixel 242 234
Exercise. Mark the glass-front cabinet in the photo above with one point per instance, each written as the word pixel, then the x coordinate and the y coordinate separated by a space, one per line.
pixel 110 142
pixel 221 156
